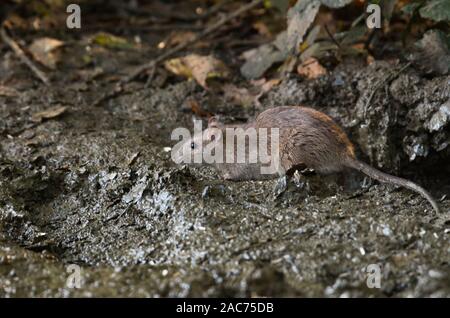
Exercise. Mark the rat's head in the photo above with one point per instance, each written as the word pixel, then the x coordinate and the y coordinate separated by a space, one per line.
pixel 191 150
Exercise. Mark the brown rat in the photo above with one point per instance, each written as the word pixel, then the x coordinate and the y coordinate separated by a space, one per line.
pixel 307 138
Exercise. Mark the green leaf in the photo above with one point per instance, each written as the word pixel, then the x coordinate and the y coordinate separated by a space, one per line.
pixel 259 60
pixel 111 41
pixel 300 17
pixel 437 10
pixel 351 36
pixel 280 5
pixel 410 8
pixel 388 8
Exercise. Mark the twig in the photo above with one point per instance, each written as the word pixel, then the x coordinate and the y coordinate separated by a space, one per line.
pixel 382 82
pixel 332 37
pixel 215 8
pixel 150 78
pixel 173 15
pixel 115 92
pixel 117 29
pixel 199 36
pixel 369 40
pixel 23 57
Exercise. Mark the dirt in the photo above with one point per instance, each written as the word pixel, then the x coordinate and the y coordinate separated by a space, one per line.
pixel 96 187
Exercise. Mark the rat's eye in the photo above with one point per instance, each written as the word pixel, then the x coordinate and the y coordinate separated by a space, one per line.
pixel 192 145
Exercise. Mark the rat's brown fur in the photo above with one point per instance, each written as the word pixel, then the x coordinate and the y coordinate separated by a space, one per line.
pixel 308 138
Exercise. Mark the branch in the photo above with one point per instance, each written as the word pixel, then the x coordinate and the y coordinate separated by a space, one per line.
pixel 22 56
pixel 199 36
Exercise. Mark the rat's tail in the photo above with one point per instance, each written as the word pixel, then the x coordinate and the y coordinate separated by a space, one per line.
pixel 387 178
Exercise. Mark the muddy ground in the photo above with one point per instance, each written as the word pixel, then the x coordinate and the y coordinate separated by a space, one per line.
pixel 96 187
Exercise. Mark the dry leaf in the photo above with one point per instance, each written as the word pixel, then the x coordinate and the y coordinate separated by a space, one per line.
pixel 178 67
pixel 262 29
pixel 180 37
pixel 240 96
pixel 264 86
pixel 112 42
pixel 268 85
pixel 259 60
pixel 194 106
pixel 43 51
pixel 247 97
pixel 200 68
pixel 49 113
pixel 311 68
pixel 8 91
pixel 300 17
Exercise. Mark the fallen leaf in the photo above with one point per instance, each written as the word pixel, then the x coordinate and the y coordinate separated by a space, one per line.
pixel 311 68
pixel 310 38
pixel 43 51
pixel 8 91
pixel 178 67
pixel 300 17
pixel 262 29
pixel 180 37
pixel 438 10
pixel 192 105
pixel 264 87
pixel 268 85
pixel 239 96
pixel 259 60
pixel 248 96
pixel 410 8
pixel 288 65
pixel 318 50
pixel 354 35
pixel 280 5
pixel 111 41
pixel 49 113
pixel 387 8
pixel 258 82
pixel 201 68
pixel 87 75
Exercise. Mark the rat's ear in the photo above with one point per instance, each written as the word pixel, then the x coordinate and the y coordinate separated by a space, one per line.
pixel 213 122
